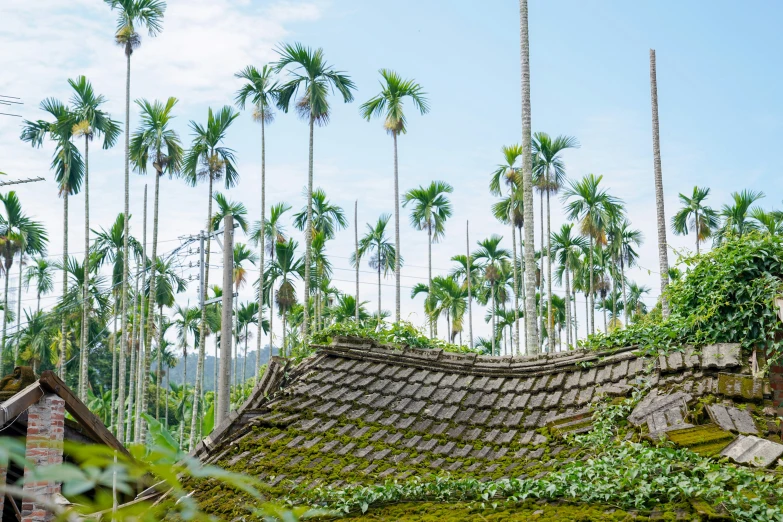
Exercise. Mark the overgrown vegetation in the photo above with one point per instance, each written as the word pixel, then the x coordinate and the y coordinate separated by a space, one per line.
pixel 630 475
pixel 726 296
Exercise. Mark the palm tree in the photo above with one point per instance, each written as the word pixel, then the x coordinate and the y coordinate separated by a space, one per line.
pixel 109 248
pixel 659 210
pixel 566 248
pixel 310 73
pixel 389 104
pixel 695 216
pixel 165 283
pixel 261 91
pixel 384 255
pixel 635 301
pixel 207 159
pixel 624 239
pixel 19 234
pixel 34 339
pixel 345 309
pixel 39 272
pixel 91 121
pixel 186 322
pixel 273 233
pixel 509 211
pixel 531 329
pixel 154 142
pixel 248 315
pixel 593 207
pixel 737 217
pixel 130 15
pixel 68 166
pixel 453 300
pixel 770 222
pixel 490 257
pixel 548 177
pixel 467 274
pixel 286 267
pixel 326 217
pixel 431 209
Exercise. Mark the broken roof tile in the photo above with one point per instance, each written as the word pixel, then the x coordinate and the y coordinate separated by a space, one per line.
pixel 658 403
pixel 732 419
pixel 740 386
pixel 721 355
pixel 747 449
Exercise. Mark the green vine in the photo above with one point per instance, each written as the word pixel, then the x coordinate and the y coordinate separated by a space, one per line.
pixel 726 296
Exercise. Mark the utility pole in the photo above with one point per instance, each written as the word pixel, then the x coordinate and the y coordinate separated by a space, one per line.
pixel 226 337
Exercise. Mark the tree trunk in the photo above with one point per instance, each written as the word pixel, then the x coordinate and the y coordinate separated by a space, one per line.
pixel 434 319
pixel 153 297
pixel 697 231
pixel 5 310
pixel 272 306
pixel 143 356
pixel 379 292
pixel 575 320
pixel 202 326
pixel 397 236
pixel 133 381
pixel 113 348
pixel 592 289
pixel 166 395
pixel 494 309
pixel 84 358
pixel 663 260
pixel 468 277
pixel 515 330
pixel 356 255
pixel 159 366
pixel 308 239
pixel 63 326
pixel 568 306
pixel 244 363
pixel 531 332
pixel 223 402
pixel 282 352
pixel 587 314
pixel 551 318
pixel 125 268
pixel 524 291
pixel 625 293
pixel 262 242
pixel 541 293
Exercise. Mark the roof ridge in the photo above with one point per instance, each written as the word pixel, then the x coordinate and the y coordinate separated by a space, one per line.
pixel 472 363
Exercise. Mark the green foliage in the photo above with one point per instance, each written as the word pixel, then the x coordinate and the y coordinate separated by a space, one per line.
pixel 626 474
pixel 726 296
pixel 400 335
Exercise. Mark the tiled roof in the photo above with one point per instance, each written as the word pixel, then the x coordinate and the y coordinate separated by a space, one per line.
pixel 357 412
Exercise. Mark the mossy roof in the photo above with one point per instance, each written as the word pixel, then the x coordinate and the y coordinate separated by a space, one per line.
pixel 359 413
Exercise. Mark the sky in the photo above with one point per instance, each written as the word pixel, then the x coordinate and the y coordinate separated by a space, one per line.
pixel 589 79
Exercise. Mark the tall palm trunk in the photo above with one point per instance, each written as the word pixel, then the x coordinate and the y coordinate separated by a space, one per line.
pixel 544 321
pixel 379 292
pixel 587 314
pixel 159 365
pixel 568 306
pixel 83 360
pixel 151 304
pixel 202 326
pixel 168 386
pixel 494 325
pixel 143 355
pixel 468 277
pixel 531 332
pixel 63 326
pixel 5 306
pixel 133 381
pixel 575 318
pixel 551 313
pixel 261 265
pixel 660 214
pixel 244 361
pixel 434 321
pixel 515 331
pixel 356 255
pixel 397 236
pixel 271 303
pixel 697 231
pixel 282 349
pixel 625 292
pixel 113 349
pixel 125 267
pixel 308 239
pixel 522 249
pixel 592 288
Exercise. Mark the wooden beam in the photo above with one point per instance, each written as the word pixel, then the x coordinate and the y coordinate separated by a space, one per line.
pixel 79 411
pixel 18 404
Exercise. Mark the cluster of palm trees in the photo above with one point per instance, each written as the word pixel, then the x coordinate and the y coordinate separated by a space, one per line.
pixel 107 332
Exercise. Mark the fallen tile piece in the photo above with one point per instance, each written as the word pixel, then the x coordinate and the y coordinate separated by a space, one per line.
pixel 707 439
pixel 732 419
pixel 747 449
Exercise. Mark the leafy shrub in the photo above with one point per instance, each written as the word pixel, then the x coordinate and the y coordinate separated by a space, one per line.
pixel 726 296
pixel 396 334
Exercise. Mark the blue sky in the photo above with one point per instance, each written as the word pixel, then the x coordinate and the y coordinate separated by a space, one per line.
pixel 718 93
